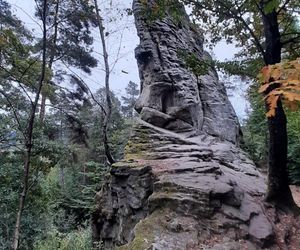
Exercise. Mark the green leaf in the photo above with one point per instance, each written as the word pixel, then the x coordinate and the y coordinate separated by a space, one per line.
pixel 271 6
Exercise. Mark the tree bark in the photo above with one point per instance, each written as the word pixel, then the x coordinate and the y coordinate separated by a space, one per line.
pixel 51 59
pixel 22 199
pixel 43 108
pixel 107 89
pixel 278 183
pixel 29 138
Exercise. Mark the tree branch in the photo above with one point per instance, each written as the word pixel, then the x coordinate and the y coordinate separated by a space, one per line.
pixel 109 156
pixel 291 40
pixel 283 6
pixel 235 16
pixel 83 82
pixel 239 17
pixel 15 112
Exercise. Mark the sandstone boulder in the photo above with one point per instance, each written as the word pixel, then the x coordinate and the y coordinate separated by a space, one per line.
pixel 184 182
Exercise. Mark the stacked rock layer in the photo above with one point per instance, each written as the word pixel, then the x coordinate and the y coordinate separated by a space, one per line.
pixel 184 182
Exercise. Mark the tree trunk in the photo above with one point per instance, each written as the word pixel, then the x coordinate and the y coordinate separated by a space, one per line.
pixel 107 89
pixel 61 168
pixel 43 108
pixel 29 139
pixel 62 177
pixel 22 199
pixel 51 59
pixel 278 185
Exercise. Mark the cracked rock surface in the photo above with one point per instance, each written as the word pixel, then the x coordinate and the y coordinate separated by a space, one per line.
pixel 184 182
pixel 176 191
pixel 172 96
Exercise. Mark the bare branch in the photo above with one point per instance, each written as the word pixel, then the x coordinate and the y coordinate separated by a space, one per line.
pixel 83 82
pixel 118 53
pixel 28 15
pixel 15 112
pixel 283 6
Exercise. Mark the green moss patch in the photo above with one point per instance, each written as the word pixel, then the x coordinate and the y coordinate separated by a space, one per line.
pixel 145 232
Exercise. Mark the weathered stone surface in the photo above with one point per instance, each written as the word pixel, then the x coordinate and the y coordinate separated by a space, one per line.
pixel 169 87
pixel 173 191
pixel 184 182
pixel 123 202
pixel 261 229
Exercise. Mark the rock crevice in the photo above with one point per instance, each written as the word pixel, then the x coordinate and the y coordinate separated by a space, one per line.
pixel 123 203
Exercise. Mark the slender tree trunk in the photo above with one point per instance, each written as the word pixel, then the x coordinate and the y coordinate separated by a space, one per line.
pixel 22 198
pixel 43 108
pixel 278 185
pixel 62 176
pixel 84 175
pixel 107 89
pixel 29 139
pixel 61 168
pixel 51 59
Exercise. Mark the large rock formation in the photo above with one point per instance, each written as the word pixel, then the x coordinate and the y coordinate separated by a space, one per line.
pixel 184 183
pixel 172 96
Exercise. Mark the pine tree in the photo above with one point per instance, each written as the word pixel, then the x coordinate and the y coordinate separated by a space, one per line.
pixel 69 38
pixel 129 100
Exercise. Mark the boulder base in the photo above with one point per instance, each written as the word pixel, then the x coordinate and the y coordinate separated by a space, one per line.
pixel 174 191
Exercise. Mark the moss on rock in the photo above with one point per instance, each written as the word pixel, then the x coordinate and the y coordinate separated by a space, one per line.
pixel 137 147
pixel 145 232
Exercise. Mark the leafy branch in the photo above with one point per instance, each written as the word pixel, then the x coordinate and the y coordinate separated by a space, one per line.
pixel 281 81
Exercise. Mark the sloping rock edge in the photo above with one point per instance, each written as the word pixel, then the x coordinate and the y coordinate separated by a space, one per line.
pixel 176 192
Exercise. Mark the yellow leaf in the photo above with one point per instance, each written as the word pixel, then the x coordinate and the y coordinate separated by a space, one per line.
pixel 266 74
pixel 275 74
pixel 270 113
pixel 291 96
pixel 272 101
pixel 263 88
pixel 293 106
pixel 286 76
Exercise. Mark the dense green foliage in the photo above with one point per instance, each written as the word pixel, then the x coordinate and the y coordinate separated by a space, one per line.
pixel 255 140
pixel 294 146
pixel 67 168
pixel 68 161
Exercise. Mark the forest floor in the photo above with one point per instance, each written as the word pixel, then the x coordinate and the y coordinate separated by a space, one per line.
pixel 287 226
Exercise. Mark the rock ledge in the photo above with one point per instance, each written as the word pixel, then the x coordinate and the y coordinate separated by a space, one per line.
pixel 173 191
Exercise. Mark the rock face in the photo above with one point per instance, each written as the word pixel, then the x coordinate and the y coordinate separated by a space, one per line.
pixel 184 183
pixel 172 96
pixel 178 192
